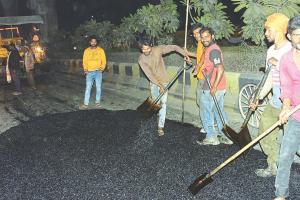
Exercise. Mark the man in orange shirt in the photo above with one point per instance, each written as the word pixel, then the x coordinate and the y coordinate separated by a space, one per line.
pixel 94 63
pixel 197 72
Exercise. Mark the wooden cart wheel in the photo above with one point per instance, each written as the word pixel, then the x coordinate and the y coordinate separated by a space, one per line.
pixel 245 96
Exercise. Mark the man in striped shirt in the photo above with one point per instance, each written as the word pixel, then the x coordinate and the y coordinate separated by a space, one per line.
pixel 276 28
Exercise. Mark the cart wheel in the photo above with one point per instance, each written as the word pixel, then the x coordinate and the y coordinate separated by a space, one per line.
pixel 245 96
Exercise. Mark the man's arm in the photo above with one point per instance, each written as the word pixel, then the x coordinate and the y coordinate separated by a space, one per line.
pixel 165 49
pixel 103 59
pixel 286 91
pixel 85 61
pixel 216 58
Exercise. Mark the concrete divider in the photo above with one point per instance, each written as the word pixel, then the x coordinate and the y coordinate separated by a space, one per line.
pixel 130 75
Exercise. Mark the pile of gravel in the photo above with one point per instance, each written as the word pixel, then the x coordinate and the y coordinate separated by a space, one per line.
pixel 100 154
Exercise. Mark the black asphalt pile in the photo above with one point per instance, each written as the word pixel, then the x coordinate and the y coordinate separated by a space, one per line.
pixel 100 154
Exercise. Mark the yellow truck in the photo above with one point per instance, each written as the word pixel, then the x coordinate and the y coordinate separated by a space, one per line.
pixel 11 32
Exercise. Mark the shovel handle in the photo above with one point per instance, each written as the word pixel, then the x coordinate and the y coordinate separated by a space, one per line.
pixel 215 99
pixel 237 154
pixel 172 82
pixel 256 93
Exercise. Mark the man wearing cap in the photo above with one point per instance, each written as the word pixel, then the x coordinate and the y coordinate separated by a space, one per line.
pixel 275 31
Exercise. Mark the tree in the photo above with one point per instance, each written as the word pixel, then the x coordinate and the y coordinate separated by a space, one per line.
pixel 211 13
pixel 256 11
pixel 157 21
pixel 103 30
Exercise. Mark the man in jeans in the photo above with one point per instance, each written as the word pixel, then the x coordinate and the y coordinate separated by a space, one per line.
pixel 152 63
pixel 290 95
pixel 214 69
pixel 197 71
pixel 94 63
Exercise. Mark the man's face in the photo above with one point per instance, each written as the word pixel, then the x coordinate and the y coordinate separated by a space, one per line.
pixel 196 34
pixel 206 38
pixel 93 42
pixel 295 38
pixel 146 50
pixel 270 34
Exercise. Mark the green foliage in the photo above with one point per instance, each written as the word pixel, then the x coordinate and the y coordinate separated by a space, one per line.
pixel 256 11
pixel 103 30
pixel 211 13
pixel 156 21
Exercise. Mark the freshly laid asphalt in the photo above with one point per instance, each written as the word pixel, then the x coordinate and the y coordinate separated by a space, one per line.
pixel 101 154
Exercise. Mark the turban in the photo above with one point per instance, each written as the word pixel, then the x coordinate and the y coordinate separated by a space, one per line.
pixel 279 22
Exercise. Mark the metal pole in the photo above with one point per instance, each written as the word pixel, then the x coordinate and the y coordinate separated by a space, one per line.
pixel 184 64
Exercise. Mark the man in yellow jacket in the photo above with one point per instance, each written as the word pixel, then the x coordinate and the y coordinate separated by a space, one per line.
pixel 94 63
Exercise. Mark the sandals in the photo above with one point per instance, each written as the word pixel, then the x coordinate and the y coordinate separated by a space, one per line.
pixel 160 132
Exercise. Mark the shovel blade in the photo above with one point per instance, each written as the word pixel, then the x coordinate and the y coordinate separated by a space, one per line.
pixel 200 183
pixel 244 137
pixel 148 108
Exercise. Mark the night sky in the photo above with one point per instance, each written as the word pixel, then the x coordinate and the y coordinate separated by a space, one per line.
pixel 71 13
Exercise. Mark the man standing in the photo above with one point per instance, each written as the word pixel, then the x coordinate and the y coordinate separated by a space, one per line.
pixel 214 69
pixel 29 67
pixel 152 64
pixel 13 62
pixel 290 95
pixel 197 72
pixel 94 63
pixel 276 28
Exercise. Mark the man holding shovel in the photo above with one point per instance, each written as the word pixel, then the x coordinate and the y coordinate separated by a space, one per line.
pixel 152 63
pixel 197 71
pixel 276 28
pixel 214 69
pixel 290 95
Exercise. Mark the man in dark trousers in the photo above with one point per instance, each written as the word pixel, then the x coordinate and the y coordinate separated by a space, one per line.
pixel 13 61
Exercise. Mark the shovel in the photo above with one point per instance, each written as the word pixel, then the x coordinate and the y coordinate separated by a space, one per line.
pixel 240 140
pixel 150 107
pixel 244 131
pixel 206 178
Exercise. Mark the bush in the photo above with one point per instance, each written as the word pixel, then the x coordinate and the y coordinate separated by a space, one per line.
pixel 242 58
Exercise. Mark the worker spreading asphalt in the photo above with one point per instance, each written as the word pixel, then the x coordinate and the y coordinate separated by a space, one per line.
pixel 101 154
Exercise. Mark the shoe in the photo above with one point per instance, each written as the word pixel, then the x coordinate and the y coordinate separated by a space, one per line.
pixel 83 107
pixel 160 132
pixel 202 130
pixel 279 198
pixel 97 105
pixel 209 141
pixel 268 172
pixel 16 93
pixel 223 139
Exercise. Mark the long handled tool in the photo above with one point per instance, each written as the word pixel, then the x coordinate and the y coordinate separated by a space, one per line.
pixel 206 178
pixel 244 131
pixel 149 106
pixel 240 140
pixel 184 64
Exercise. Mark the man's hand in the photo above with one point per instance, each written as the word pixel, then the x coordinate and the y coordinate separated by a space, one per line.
pixel 213 91
pixel 253 106
pixel 195 70
pixel 273 61
pixel 283 116
pixel 161 89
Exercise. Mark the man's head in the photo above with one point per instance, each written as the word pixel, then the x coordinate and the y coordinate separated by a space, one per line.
pixel 294 32
pixel 146 46
pixel 207 36
pixel 276 27
pixel 196 28
pixel 93 41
